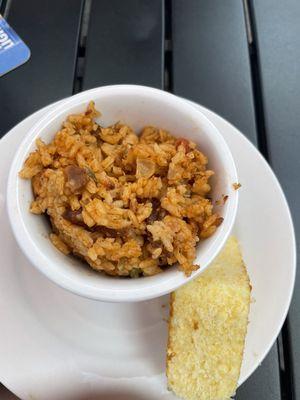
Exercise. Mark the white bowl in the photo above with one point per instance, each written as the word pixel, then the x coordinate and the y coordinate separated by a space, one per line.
pixel 138 106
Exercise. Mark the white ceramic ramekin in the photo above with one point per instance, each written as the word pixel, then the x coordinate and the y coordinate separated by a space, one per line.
pixel 137 106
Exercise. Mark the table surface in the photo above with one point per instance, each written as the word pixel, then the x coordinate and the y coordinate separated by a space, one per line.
pixel 238 58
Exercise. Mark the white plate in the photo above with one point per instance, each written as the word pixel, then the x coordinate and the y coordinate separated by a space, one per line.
pixel 57 346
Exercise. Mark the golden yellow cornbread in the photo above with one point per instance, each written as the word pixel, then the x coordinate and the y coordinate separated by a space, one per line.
pixel 207 329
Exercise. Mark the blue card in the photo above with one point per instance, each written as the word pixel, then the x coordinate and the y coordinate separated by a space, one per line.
pixel 13 51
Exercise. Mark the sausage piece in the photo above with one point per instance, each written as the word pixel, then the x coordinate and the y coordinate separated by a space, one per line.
pixel 76 178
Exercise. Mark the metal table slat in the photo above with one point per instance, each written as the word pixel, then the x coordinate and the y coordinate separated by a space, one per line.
pixel 264 384
pixel 210 58
pixel 125 43
pixel 5 394
pixel 213 69
pixel 50 29
pixel 278 32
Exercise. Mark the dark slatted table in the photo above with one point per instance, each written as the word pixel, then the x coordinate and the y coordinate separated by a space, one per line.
pixel 238 58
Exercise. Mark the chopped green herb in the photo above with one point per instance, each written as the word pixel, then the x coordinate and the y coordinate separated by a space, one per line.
pixel 135 272
pixel 91 174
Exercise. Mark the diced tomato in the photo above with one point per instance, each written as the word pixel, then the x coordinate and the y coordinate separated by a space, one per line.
pixel 182 142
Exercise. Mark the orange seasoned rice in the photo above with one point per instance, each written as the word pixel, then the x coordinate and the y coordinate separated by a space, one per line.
pixel 128 204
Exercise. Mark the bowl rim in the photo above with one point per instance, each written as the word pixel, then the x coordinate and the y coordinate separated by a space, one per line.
pixel 42 262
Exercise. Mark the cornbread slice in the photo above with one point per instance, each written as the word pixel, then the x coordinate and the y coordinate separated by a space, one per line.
pixel 207 329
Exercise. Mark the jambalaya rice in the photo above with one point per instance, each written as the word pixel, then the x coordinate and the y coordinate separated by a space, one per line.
pixel 128 204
